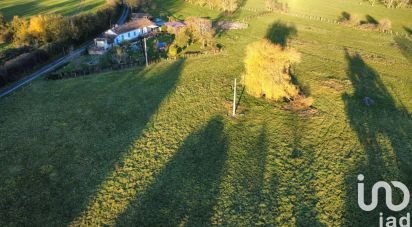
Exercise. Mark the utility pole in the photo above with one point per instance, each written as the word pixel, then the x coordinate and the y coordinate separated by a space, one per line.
pixel 234 100
pixel 145 51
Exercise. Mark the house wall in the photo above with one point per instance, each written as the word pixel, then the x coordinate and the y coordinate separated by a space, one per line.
pixel 102 44
pixel 131 35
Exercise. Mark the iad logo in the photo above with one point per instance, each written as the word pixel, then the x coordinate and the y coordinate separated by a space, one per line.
pixel 382 185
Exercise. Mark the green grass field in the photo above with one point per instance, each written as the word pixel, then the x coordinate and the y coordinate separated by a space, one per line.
pixel 157 146
pixel 10 8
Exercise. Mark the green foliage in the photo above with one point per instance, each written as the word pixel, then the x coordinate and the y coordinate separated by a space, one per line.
pixel 6 34
pixel 119 54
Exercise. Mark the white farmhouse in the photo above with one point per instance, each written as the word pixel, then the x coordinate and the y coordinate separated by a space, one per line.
pixel 130 31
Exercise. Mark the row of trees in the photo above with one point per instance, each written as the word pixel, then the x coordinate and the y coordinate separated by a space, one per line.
pixel 275 5
pixel 43 29
pixel 38 38
pixel 392 3
pixel 224 5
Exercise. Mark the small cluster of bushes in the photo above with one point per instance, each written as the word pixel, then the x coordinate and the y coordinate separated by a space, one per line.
pixel 392 3
pixel 39 38
pixel 369 24
pixel 197 31
pixel 275 5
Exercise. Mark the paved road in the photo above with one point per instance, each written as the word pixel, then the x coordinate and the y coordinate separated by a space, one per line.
pixel 53 65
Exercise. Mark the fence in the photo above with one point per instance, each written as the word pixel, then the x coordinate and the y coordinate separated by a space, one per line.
pixel 114 67
pixel 260 12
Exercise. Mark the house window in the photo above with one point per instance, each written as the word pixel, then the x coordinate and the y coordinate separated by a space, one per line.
pixel 128 34
pixel 135 33
pixel 122 37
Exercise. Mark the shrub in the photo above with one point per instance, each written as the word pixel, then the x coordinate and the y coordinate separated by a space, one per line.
pixel 268 70
pixel 385 25
pixel 172 52
pixel 182 38
pixel 352 20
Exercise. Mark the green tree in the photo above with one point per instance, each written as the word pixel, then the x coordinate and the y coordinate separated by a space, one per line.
pixel 6 34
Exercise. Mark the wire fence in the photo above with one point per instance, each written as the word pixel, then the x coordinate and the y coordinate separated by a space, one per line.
pixel 260 12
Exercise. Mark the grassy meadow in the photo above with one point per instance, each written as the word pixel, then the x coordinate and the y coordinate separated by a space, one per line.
pixel 10 8
pixel 157 146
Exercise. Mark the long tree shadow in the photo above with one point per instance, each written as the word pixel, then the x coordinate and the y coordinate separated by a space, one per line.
pixel 405 46
pixel 53 184
pixel 303 194
pixel 280 33
pixel 185 191
pixel 384 132
pixel 408 30
pixel 252 187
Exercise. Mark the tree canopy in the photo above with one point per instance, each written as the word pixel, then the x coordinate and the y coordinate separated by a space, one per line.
pixel 268 70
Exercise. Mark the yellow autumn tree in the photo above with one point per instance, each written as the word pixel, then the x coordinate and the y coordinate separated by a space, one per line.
pixel 37 25
pixel 268 70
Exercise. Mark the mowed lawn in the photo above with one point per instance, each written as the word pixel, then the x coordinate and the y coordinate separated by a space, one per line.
pixel 10 8
pixel 158 147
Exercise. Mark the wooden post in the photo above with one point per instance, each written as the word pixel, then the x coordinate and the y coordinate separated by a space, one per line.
pixel 234 100
pixel 145 51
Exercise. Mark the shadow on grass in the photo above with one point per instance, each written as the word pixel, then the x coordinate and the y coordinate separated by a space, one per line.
pixel 370 20
pixel 227 16
pixel 19 9
pixel 302 177
pixel 384 132
pixel 166 7
pixel 408 30
pixel 72 142
pixel 280 33
pixel 252 197
pixel 185 191
pixel 405 46
pixel 31 8
pixel 344 16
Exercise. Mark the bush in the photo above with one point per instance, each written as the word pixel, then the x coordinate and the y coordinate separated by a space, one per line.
pixel 352 20
pixel 385 25
pixel 172 52
pixel 268 71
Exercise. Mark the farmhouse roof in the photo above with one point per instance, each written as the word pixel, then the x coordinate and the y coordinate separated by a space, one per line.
pixel 132 25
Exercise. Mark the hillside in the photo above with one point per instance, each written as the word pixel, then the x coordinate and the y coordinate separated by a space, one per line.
pixel 156 146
